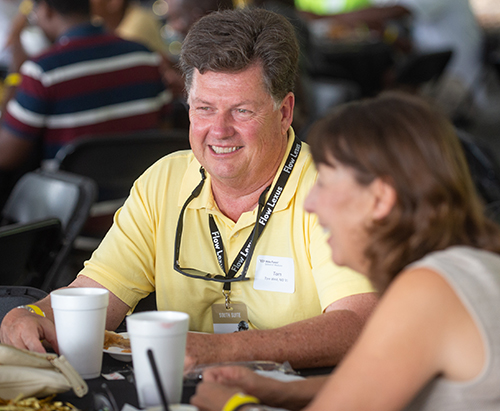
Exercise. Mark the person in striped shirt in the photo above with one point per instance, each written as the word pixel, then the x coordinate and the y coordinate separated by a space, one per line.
pixel 89 82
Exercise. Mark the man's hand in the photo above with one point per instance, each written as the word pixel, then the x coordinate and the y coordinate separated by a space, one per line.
pixel 219 383
pixel 247 381
pixel 211 396
pixel 25 330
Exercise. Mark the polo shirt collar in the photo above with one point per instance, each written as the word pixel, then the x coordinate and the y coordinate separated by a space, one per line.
pixel 192 178
pixel 80 30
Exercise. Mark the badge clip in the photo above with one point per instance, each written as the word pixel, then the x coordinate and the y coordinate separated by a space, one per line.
pixel 226 294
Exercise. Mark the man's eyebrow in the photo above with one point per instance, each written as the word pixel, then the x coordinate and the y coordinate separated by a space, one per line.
pixel 199 100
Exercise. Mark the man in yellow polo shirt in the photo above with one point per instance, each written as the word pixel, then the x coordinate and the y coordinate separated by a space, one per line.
pixel 220 231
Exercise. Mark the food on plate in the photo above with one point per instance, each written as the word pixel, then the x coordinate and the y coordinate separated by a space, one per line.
pixel 32 403
pixel 112 339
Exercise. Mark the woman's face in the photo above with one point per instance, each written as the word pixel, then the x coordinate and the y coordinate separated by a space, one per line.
pixel 345 210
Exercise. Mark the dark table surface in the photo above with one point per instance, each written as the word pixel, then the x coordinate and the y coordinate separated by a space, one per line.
pixel 124 391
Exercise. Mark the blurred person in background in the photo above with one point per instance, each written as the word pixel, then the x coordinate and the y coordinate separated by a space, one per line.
pixel 23 39
pixel 432 26
pixel 8 11
pixel 182 14
pixel 305 102
pixel 130 20
pixel 83 85
pixel 179 17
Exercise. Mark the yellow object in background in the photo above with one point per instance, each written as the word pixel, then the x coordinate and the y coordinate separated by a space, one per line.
pixel 26 7
pixel 241 3
pixel 324 7
pixel 12 80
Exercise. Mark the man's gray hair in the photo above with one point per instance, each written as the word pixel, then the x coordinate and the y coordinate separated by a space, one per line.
pixel 232 40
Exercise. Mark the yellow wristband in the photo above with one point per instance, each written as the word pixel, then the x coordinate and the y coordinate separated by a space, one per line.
pixel 33 309
pixel 12 79
pixel 238 400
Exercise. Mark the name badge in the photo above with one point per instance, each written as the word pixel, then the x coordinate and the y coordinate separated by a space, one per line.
pixel 274 274
pixel 229 321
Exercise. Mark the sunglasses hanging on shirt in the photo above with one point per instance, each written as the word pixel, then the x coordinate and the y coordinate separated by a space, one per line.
pixel 244 256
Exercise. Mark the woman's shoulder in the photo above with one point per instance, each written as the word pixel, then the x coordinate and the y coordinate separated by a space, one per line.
pixel 463 265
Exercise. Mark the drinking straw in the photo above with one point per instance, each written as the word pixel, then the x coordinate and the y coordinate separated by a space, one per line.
pixel 158 381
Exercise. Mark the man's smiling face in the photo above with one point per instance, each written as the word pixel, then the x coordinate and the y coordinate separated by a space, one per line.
pixel 236 132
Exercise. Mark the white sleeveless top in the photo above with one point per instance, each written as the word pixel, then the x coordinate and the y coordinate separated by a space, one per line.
pixel 475 277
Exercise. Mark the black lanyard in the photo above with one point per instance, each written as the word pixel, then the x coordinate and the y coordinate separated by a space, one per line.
pixel 263 216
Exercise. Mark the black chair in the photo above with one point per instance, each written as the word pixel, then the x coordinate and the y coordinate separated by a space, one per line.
pixel 422 68
pixel 491 51
pixel 483 165
pixel 14 296
pixel 47 194
pixel 492 210
pixel 115 162
pixel 27 251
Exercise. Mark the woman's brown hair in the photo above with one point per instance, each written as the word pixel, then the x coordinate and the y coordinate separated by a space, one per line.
pixel 408 143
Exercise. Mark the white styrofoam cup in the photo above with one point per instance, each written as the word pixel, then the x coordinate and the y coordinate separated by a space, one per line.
pixel 80 320
pixel 163 332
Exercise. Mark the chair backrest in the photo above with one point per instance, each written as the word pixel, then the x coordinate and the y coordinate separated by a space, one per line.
pixel 483 165
pixel 423 68
pixel 492 211
pixel 492 50
pixel 52 194
pixel 14 296
pixel 115 161
pixel 28 250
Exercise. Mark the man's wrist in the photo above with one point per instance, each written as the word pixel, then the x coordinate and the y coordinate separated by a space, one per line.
pixel 240 400
pixel 33 309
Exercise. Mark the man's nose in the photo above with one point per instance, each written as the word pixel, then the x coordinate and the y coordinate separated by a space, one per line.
pixel 222 125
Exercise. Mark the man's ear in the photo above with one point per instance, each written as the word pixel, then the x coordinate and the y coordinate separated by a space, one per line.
pixel 385 198
pixel 286 110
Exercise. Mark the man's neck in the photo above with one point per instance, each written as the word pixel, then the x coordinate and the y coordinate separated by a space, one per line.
pixel 234 202
pixel 69 23
pixel 114 20
pixel 239 196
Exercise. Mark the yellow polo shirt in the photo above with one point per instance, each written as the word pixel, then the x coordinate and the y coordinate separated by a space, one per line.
pixel 136 256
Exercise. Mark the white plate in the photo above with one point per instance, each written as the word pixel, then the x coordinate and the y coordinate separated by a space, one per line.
pixel 279 375
pixel 118 353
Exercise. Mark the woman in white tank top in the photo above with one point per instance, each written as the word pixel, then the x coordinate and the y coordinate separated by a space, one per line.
pixel 395 194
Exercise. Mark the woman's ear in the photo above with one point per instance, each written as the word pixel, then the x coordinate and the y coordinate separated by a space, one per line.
pixel 385 198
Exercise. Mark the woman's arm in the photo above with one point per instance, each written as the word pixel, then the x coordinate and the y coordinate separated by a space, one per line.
pixel 420 329
pixel 220 383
